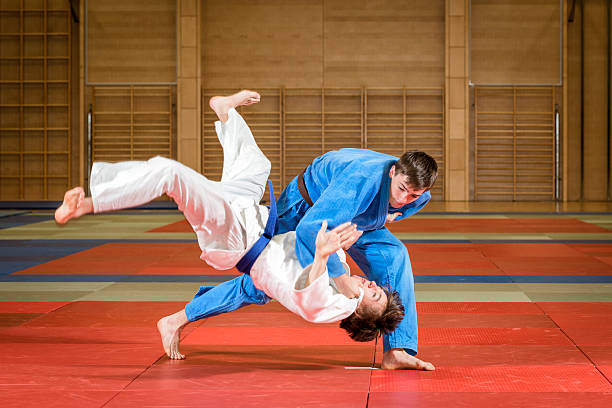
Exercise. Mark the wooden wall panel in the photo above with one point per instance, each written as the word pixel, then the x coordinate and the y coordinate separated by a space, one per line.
pixel 261 44
pixel 574 107
pixel 515 42
pixel 132 122
pixel 35 100
pixel 293 126
pixel 595 102
pixel 131 41
pixel 386 43
pixel 303 129
pixel 514 143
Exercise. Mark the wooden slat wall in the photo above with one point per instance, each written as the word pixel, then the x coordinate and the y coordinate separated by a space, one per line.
pixel 294 125
pixel 35 107
pixel 514 143
pixel 132 122
pixel 400 119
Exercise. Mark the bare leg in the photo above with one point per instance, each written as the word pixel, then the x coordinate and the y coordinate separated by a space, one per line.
pixel 398 359
pixel 170 331
pixel 222 104
pixel 75 205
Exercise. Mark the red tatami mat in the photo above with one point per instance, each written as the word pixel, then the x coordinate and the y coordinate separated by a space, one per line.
pixel 527 378
pixel 506 258
pixel 490 399
pixel 600 355
pixel 461 225
pixel 108 314
pixel 552 266
pixel 476 336
pixel 495 225
pixel 179 226
pixel 250 369
pixel 500 355
pixel 485 320
pixel 20 397
pixel 277 319
pixel 131 259
pixel 607 371
pixel 590 337
pixel 529 250
pixel 479 307
pixel 581 308
pixel 232 336
pixel 233 399
pixel 30 307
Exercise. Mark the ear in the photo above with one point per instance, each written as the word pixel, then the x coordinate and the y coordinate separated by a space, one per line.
pixel 392 171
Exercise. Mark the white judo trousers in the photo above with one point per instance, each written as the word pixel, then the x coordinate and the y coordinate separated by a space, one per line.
pixel 227 220
pixel 224 215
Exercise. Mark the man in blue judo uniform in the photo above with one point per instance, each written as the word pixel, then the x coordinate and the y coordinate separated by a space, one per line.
pixel 369 189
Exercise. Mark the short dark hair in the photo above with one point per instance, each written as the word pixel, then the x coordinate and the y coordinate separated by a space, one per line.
pixel 420 168
pixel 367 325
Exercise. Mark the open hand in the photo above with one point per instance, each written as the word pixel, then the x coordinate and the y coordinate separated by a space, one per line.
pixel 343 236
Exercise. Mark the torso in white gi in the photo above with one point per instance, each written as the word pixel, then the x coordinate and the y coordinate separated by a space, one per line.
pixel 277 270
pixel 226 217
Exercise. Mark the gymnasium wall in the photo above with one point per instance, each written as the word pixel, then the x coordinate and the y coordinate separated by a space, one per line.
pixel 131 41
pixel 325 43
pixel 333 73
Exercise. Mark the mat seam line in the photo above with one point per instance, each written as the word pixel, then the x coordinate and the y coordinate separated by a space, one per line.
pixel 372 371
pixel 133 379
pixel 575 344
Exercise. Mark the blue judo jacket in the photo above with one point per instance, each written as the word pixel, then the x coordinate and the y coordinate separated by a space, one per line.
pixel 344 185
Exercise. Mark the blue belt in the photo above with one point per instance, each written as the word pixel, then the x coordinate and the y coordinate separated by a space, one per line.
pixel 248 259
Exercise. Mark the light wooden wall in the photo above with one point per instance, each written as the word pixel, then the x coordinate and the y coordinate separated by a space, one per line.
pixel 321 48
pixel 333 74
pixel 261 44
pixel 35 100
pixel 385 43
pixel 595 100
pixel 131 41
pixel 588 109
pixel 515 143
pixel 292 126
pixel 515 42
pixel 573 133
pixel 324 43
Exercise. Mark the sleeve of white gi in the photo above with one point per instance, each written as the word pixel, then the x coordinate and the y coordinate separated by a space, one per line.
pixel 318 302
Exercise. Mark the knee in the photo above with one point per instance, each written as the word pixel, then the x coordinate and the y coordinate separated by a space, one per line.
pixel 167 167
pixel 252 293
pixel 162 162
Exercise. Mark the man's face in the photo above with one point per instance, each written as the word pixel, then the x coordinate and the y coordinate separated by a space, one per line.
pixel 373 296
pixel 400 191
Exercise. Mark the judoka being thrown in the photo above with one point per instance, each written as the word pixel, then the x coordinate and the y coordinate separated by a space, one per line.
pixel 234 230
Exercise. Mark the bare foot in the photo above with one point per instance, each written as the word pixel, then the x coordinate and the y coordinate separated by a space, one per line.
pixel 170 331
pixel 69 208
pixel 222 104
pixel 398 359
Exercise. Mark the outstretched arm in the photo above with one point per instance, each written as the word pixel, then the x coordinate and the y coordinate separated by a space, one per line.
pixel 327 243
pixel 347 196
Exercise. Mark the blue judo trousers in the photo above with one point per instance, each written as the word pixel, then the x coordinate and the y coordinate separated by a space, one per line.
pixel 347 184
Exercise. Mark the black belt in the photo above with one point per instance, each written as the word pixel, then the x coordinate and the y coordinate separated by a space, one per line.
pixel 246 262
pixel 302 188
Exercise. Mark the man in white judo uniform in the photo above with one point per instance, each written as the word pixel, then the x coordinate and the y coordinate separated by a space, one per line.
pixel 230 224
